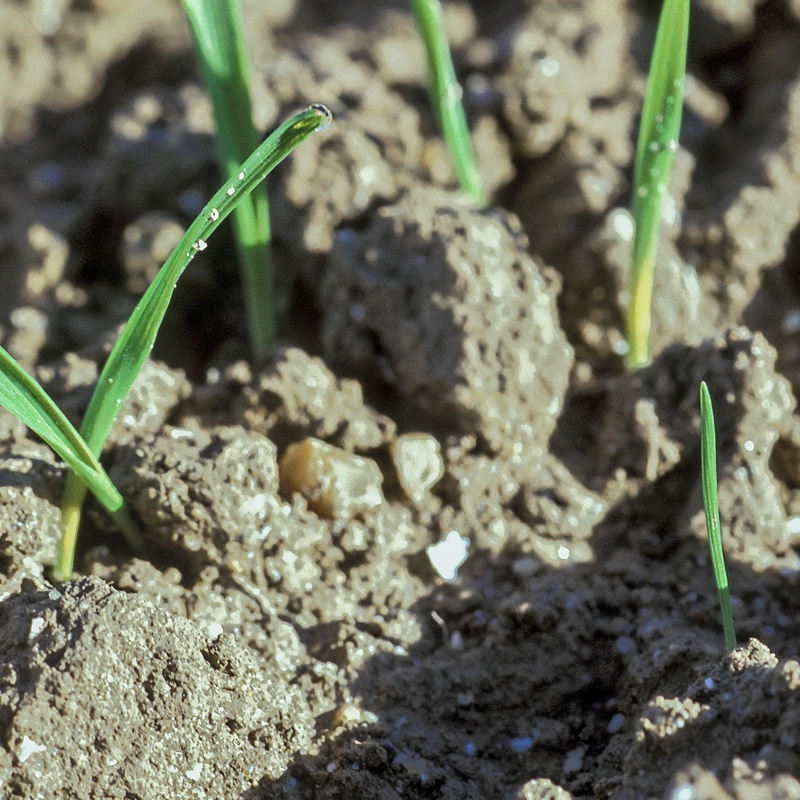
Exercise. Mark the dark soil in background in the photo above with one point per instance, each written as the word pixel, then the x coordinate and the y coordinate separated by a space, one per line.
pixel 273 644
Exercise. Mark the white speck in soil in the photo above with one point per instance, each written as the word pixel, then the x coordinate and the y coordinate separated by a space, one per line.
pixel 710 683
pixel 195 772
pixel 683 791
pixel 37 623
pixel 622 223
pixel 28 748
pixel 563 553
pixel 214 629
pixel 549 67
pixel 448 555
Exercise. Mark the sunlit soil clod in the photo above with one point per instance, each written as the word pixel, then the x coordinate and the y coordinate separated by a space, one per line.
pixel 335 483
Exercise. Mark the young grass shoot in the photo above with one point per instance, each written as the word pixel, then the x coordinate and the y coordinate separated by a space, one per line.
pixel 222 54
pixel 655 152
pixel 139 334
pixel 445 93
pixel 27 401
pixel 709 466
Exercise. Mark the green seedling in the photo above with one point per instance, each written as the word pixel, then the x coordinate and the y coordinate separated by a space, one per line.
pixel 222 53
pixel 26 400
pixel 655 152
pixel 710 502
pixel 139 334
pixel 446 93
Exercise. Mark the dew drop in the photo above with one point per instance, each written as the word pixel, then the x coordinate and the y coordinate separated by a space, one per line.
pixel 241 176
pixel 200 244
pixel 654 147
pixel 214 215
pixel 672 145
pixel 326 113
pixel 231 191
pixel 642 191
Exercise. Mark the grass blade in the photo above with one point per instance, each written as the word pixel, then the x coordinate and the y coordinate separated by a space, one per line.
pixel 655 152
pixel 27 401
pixel 222 53
pixel 139 334
pixel 711 504
pixel 446 95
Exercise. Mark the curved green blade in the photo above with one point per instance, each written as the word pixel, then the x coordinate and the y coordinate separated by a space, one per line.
pixel 27 401
pixel 139 334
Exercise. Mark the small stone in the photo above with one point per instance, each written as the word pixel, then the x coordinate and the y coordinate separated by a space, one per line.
pixel 418 461
pixel 335 483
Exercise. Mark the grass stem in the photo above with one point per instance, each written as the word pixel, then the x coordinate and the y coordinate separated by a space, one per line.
pixel 711 504
pixel 222 53
pixel 655 152
pixel 446 95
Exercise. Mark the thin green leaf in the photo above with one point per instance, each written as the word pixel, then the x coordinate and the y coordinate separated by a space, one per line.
pixel 222 53
pixel 27 401
pixel 138 336
pixel 446 93
pixel 655 152
pixel 711 504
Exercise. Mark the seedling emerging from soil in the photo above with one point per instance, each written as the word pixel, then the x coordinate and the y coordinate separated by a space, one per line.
pixel 222 53
pixel 709 467
pixel 138 336
pixel 655 151
pixel 27 401
pixel 446 93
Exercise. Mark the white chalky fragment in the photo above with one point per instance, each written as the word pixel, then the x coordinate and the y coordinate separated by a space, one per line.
pixel 37 623
pixel 28 748
pixel 448 555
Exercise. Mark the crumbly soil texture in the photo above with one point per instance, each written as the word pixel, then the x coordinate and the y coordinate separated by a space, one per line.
pixel 439 543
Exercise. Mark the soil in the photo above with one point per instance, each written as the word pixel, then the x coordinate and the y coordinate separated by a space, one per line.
pixel 449 386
